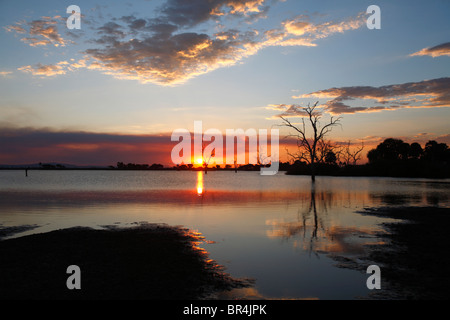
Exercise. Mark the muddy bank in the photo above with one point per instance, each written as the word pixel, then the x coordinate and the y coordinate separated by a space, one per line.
pixel 144 262
pixel 415 259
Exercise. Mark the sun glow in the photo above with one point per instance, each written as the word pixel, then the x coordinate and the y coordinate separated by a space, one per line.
pixel 199 161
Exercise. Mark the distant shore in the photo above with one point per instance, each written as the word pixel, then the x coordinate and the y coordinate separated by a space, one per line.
pixel 324 171
pixel 353 173
pixel 152 262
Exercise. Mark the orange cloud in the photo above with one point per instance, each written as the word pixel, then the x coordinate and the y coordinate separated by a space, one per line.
pixel 41 32
pixel 245 6
pixel 43 70
pixel 5 73
pixel 436 51
pixel 52 70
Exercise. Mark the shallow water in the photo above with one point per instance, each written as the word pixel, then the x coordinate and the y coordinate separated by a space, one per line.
pixel 279 230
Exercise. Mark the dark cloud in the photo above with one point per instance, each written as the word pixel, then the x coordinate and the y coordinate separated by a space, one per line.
pixel 424 94
pixel 138 24
pixel 164 57
pixel 154 52
pixel 193 12
pixel 163 28
pixel 28 145
pixel 112 29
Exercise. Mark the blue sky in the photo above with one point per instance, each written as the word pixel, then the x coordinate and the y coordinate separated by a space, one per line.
pixel 150 67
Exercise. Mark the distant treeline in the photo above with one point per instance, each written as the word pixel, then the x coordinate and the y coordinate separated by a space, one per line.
pixel 134 166
pixel 393 158
pixel 183 167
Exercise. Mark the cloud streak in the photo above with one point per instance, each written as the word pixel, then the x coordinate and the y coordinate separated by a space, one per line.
pixel 5 74
pixel 29 145
pixel 436 51
pixel 51 70
pixel 45 70
pixel 424 94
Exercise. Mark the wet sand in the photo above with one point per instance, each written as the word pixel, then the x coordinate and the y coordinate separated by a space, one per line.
pixel 415 259
pixel 154 262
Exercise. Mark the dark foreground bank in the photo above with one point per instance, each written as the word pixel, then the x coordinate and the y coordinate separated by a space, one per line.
pixel 145 262
pixel 414 260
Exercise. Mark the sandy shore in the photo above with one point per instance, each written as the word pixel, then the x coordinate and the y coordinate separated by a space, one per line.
pixel 145 262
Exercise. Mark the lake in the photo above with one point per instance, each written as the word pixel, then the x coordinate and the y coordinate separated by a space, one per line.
pixel 281 231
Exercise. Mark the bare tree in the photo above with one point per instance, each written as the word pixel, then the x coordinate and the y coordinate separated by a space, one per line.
pixel 349 156
pixel 308 146
pixel 262 159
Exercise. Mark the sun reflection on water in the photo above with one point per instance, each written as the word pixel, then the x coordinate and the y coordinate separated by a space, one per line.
pixel 200 187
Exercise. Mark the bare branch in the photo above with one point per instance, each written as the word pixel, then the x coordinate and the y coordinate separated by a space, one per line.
pixel 308 148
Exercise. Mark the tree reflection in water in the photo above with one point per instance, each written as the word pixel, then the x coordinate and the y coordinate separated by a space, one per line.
pixel 317 231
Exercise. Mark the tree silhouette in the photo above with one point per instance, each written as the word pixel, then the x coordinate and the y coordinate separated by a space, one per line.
pixel 390 149
pixel 349 156
pixel 330 157
pixel 436 152
pixel 415 151
pixel 394 157
pixel 308 146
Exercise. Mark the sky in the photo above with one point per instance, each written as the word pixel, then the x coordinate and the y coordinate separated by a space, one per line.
pixel 117 87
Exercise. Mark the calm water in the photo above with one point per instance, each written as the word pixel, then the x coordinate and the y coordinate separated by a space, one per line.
pixel 278 230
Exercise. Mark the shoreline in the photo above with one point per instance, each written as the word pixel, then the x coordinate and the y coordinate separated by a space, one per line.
pixel 281 171
pixel 150 261
pixel 414 258
pixel 160 262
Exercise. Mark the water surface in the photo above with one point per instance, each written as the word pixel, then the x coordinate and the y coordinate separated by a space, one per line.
pixel 280 230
